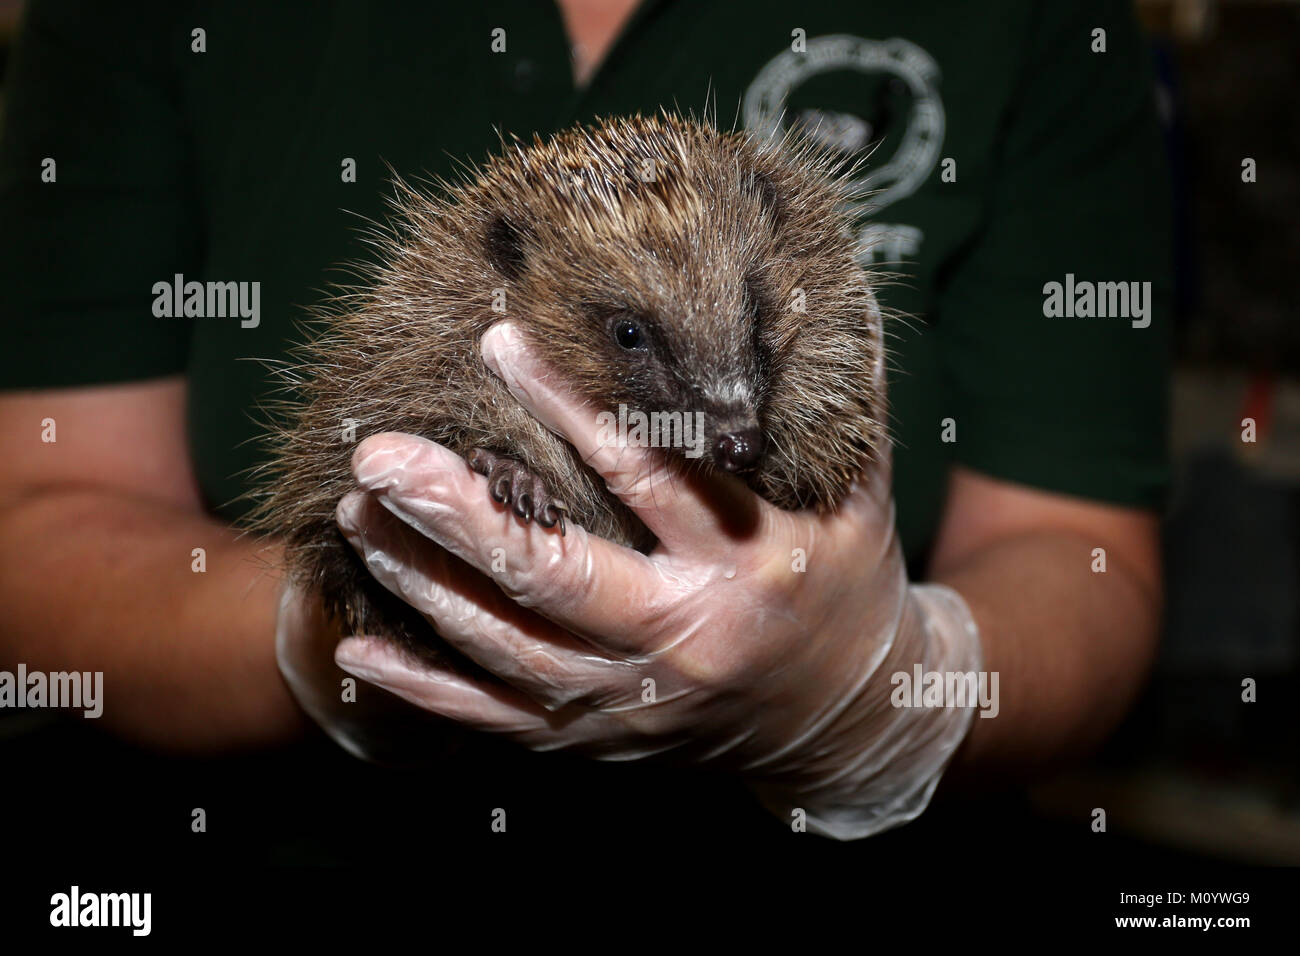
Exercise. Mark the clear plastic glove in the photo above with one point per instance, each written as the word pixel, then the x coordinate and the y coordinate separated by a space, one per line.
pixel 362 719
pixel 753 639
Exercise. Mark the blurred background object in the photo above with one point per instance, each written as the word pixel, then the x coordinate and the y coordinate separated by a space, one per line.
pixel 1196 766
pixel 10 10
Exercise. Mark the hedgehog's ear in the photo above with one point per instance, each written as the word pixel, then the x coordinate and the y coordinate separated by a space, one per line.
pixel 503 243
pixel 768 195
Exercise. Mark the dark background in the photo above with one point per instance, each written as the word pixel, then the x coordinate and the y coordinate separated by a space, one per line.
pixel 1196 782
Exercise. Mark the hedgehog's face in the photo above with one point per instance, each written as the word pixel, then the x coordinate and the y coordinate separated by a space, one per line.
pixel 662 323
pixel 694 370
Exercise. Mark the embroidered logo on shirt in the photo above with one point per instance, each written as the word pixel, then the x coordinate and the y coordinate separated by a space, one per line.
pixel 898 119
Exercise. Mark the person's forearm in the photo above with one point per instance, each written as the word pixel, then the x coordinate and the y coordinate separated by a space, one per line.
pixel 98 581
pixel 1071 647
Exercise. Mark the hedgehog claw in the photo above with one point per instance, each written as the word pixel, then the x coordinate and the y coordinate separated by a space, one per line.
pixel 553 514
pixel 511 484
pixel 500 489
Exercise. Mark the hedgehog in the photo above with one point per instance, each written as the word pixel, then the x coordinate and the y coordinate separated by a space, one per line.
pixel 657 264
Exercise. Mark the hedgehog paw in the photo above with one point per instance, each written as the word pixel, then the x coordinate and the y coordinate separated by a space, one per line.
pixel 513 485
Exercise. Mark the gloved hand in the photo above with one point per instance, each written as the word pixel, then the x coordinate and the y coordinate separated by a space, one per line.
pixel 754 639
pixel 361 718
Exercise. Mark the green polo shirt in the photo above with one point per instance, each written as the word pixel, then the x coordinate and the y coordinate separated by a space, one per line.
pixel 1009 153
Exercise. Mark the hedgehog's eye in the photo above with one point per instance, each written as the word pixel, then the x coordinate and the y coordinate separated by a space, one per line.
pixel 628 334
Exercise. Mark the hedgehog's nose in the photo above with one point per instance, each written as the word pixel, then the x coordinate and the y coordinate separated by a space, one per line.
pixel 738 449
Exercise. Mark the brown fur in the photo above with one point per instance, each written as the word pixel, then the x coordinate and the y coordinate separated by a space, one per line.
pixel 708 255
